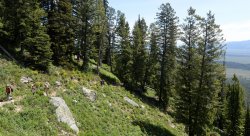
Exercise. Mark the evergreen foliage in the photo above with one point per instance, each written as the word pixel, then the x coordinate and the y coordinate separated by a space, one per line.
pixel 201 78
pixel 167 24
pixel 111 26
pixel 15 17
pixel 153 60
pixel 123 53
pixel 247 123
pixel 41 32
pixel 1 17
pixel 26 35
pixel 37 43
pixel 221 119
pixel 85 35
pixel 139 55
pixel 60 20
pixel 188 71
pixel 100 29
pixel 235 110
pixel 210 49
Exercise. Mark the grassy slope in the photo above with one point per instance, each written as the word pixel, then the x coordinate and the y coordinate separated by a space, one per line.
pixel 108 115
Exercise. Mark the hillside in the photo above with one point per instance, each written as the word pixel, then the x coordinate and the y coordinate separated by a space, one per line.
pixel 109 114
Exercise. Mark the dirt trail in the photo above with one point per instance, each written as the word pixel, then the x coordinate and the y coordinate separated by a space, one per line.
pixel 6 102
pixel 18 98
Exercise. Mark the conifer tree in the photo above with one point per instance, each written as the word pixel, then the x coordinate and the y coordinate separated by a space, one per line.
pixel 3 33
pixel 26 33
pixel 210 48
pixel 60 20
pixel 1 17
pixel 123 55
pixel 15 17
pixel 188 71
pixel 235 108
pixel 167 23
pixel 153 61
pixel 221 120
pixel 106 6
pixel 85 34
pixel 111 26
pixel 247 123
pixel 37 43
pixel 100 29
pixel 139 54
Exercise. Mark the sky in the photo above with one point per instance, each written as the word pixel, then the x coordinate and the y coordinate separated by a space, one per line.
pixel 232 15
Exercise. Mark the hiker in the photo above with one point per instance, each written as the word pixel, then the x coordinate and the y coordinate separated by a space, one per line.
pixel 33 89
pixel 9 90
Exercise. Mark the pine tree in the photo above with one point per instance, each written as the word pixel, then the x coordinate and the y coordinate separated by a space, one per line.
pixel 123 54
pixel 188 71
pixel 153 61
pixel 60 20
pixel 235 109
pixel 220 120
pixel 26 34
pixel 167 23
pixel 210 49
pixel 111 26
pixel 247 123
pixel 106 6
pixel 3 33
pixel 1 17
pixel 139 54
pixel 15 17
pixel 85 35
pixel 37 43
pixel 100 29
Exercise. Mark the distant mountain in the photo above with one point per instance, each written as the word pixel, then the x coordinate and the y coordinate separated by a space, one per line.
pixel 238 44
pixel 238 48
pixel 236 65
pixel 238 51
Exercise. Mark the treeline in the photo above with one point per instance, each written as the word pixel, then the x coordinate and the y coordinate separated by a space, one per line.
pixel 186 78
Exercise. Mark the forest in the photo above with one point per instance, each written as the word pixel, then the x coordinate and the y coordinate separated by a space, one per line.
pixel 186 77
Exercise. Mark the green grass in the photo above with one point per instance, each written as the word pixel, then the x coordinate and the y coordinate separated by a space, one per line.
pixel 108 115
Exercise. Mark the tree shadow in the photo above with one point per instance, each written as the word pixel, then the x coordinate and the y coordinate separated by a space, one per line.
pixel 3 56
pixel 152 130
pixel 151 101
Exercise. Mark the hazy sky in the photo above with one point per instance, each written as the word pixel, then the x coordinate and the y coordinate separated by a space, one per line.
pixel 232 15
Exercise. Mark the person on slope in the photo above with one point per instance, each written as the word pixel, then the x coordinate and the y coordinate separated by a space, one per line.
pixel 9 89
pixel 33 89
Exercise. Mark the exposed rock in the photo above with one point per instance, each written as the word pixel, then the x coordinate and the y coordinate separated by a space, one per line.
pixel 64 133
pixel 58 83
pixel 25 80
pixel 131 102
pixel 75 101
pixel 75 80
pixel 142 106
pixel 45 94
pixel 90 94
pixel 171 124
pixel 47 85
pixel 63 113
